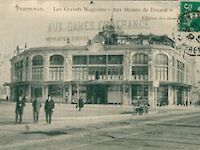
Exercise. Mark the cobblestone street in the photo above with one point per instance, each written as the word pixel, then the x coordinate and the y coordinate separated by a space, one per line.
pixel 101 127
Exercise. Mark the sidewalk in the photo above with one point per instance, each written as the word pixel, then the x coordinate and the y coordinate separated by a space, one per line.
pixel 67 116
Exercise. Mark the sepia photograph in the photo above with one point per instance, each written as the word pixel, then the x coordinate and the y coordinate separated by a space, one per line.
pixel 100 75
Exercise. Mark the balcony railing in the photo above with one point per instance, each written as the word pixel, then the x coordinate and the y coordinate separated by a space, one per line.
pixel 140 77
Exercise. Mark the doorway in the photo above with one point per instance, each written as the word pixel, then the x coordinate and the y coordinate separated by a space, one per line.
pixel 97 94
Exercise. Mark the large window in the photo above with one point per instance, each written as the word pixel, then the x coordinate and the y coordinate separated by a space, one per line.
pixel 162 97
pixel 161 67
pixel 56 67
pixel 115 72
pixel 139 94
pixel 18 70
pixel 97 73
pixel 100 59
pixel 80 60
pixel 55 90
pixel 37 60
pixel 140 66
pixel 36 92
pixel 140 73
pixel 56 60
pixel 80 73
pixel 97 59
pixel 115 59
pixel 97 67
pixel 37 68
pixel 140 58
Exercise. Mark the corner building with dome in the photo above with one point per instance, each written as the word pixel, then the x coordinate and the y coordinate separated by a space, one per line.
pixel 113 68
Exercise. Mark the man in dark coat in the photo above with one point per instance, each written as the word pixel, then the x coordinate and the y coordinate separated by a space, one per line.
pixel 49 106
pixel 80 104
pixel 19 109
pixel 36 109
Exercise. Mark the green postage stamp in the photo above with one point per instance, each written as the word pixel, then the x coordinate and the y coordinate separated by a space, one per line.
pixel 189 18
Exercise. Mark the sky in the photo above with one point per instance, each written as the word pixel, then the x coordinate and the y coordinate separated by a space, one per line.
pixel 32 27
pixel 36 22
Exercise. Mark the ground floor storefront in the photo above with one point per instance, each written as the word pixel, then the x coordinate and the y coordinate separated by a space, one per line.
pixel 106 93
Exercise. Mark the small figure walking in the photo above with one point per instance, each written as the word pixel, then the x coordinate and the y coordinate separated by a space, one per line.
pixel 49 106
pixel 36 109
pixel 80 104
pixel 19 109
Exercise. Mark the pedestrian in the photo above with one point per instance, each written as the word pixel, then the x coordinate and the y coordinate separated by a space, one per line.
pixel 80 104
pixel 20 104
pixel 146 108
pixel 66 99
pixel 49 106
pixel 36 109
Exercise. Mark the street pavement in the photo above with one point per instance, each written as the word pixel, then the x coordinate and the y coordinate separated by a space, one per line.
pixel 101 127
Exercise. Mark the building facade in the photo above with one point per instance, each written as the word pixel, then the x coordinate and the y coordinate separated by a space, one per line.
pixel 113 68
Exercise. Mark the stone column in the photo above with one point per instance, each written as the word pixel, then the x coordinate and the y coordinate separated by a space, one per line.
pixel 23 70
pixel 46 68
pixel 170 95
pixel 29 93
pixel 12 97
pixel 68 68
pixel 130 94
pixel 175 95
pixel 152 67
pixel 64 93
pixel 170 67
pixel 127 66
pixel 151 95
pixel 69 94
pixel 44 92
pixel 184 97
pixel 125 96
pixel 29 78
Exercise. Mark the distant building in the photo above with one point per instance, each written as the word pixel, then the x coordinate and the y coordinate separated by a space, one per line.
pixel 113 68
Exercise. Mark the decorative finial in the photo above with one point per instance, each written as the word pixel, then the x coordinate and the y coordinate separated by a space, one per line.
pixel 92 2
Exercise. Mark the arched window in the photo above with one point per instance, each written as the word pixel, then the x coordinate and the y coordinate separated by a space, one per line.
pixel 140 66
pixel 37 67
pixel 140 58
pixel 161 67
pixel 56 67
pixel 37 60
pixel 56 60
pixel 162 59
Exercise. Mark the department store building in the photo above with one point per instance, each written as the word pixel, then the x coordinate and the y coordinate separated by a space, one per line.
pixel 113 68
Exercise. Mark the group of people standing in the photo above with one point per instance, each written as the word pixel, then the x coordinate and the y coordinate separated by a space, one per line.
pixel 36 104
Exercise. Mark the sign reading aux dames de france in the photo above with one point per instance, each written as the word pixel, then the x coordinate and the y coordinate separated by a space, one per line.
pixel 80 21
pixel 188 37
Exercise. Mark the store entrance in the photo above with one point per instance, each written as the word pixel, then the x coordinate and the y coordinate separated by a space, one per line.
pixel 97 94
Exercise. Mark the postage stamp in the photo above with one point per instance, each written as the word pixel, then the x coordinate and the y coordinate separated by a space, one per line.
pixel 189 18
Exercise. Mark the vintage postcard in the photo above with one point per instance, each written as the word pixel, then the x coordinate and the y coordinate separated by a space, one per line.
pixel 97 74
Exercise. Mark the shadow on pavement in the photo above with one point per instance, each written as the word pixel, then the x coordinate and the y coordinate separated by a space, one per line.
pixel 55 132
